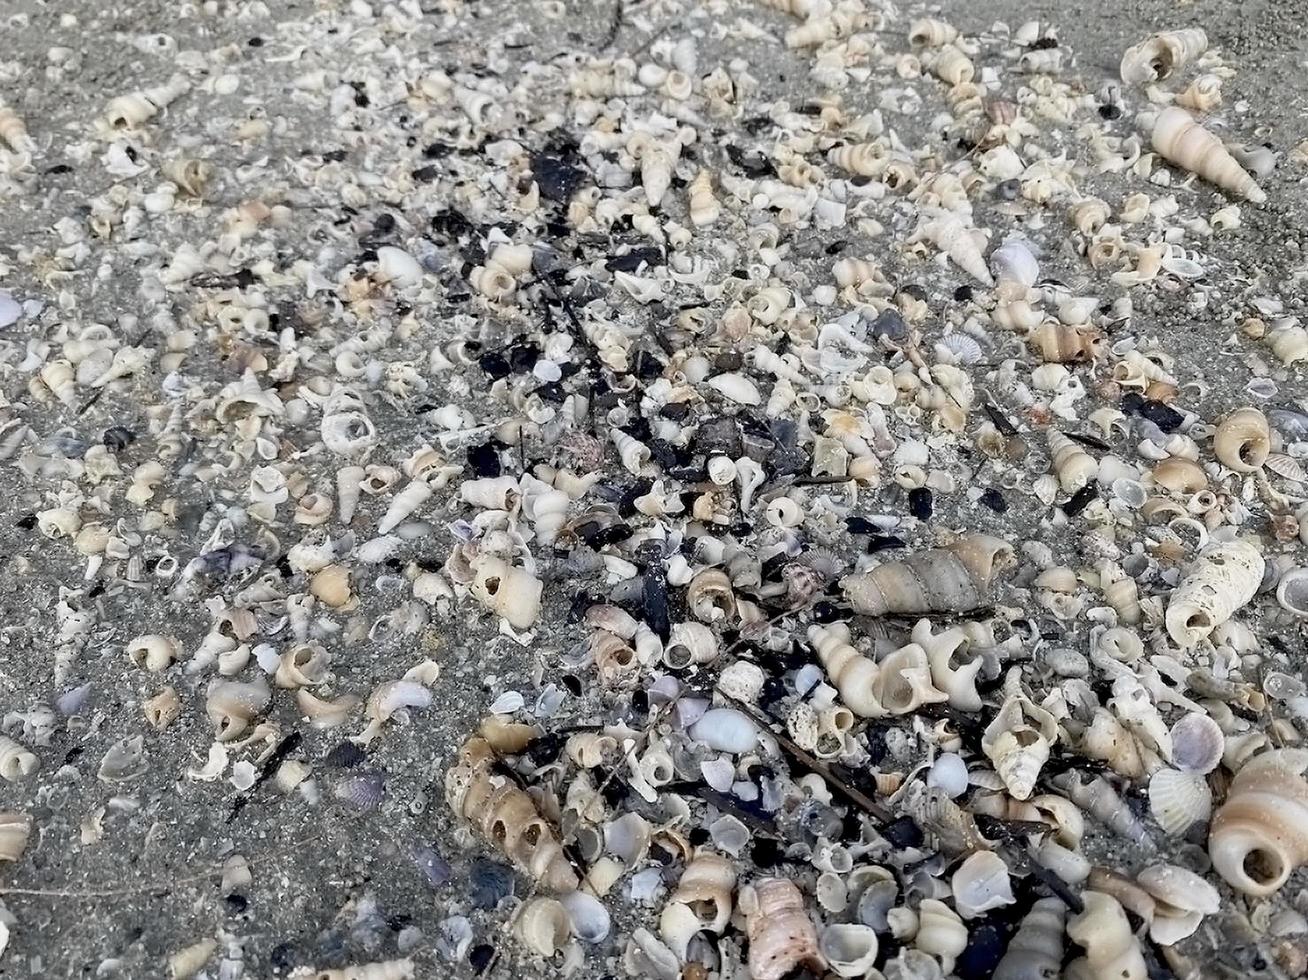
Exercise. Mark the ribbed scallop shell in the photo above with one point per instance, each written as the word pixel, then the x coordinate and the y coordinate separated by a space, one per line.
pixel 1179 799
pixel 1197 744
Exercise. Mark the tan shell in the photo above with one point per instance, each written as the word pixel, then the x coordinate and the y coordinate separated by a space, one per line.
pixel 15 828
pixel 781 935
pixel 1222 579
pixel 1179 139
pixel 929 32
pixel 1243 440
pixel 1073 465
pixel 706 886
pixel 852 674
pixel 1060 343
pixel 903 683
pixel 1180 475
pixel 506 816
pixel 954 578
pixel 1178 800
pixel 1203 94
pixel 940 932
pixel 709 596
pixel 952 66
pixel 1260 834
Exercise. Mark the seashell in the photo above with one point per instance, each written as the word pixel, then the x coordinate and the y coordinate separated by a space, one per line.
pixel 928 32
pixel 186 963
pixel 1182 898
pixel 853 674
pixel 406 503
pixel 703 207
pixel 1018 742
pixel 1058 343
pixel 1222 579
pixel 1197 744
pixel 1289 344
pixel 702 900
pixel 960 242
pixel 726 730
pixel 506 816
pixel 162 709
pixel 324 714
pixel 690 643
pixel 331 586
pixel 1243 440
pixel 849 949
pixel 954 578
pixel 1180 475
pixel 401 969
pixel 1182 141
pixel 736 388
pixel 1178 800
pixel 940 932
pixel 1158 56
pixel 131 110
pixel 15 828
pixel 1111 950
pixel 645 955
pixel 590 919
pixel 1013 262
pixel 152 652
pixel 781 935
pixel 124 761
pixel 709 596
pixel 13 131
pixel 980 884
pixel 628 838
pixel 1292 591
pixel 903 681
pixel 510 592
pixel 952 66
pixel 1203 94
pixel 1258 835
pixel 544 926
pixel 1073 466
pixel 232 705
pixel 1036 950
pixel 16 762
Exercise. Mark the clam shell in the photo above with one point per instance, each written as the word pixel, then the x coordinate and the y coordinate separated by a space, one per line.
pixel 1179 799
pixel 850 949
pixel 1197 744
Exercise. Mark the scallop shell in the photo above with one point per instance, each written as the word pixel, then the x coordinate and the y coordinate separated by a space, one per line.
pixel 1197 744
pixel 1179 799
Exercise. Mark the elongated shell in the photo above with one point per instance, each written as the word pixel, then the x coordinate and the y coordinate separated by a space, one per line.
pixel 15 828
pixel 954 578
pixel 1178 138
pixel 1059 343
pixel 852 674
pixel 951 65
pixel 1036 950
pixel 1260 834
pixel 903 683
pixel 1073 465
pixel 1159 55
pixel 506 816
pixel 781 935
pixel 928 32
pixel 1018 742
pixel 1223 578
pixel 1243 440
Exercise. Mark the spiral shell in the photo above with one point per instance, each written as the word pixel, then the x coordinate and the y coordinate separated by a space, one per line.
pixel 544 926
pixel 1260 834
pixel 1182 141
pixel 1222 579
pixel 16 762
pixel 710 598
pixel 952 66
pixel 702 900
pixel 506 816
pixel 1158 56
pixel 862 159
pixel 928 32
pixel 852 674
pixel 162 709
pixel 940 932
pixel 1243 440
pixel 1073 466
pixel 903 681
pixel 781 935
pixel 13 131
pixel 152 652
pixel 980 884
pixel 232 705
pixel 960 241
pixel 954 578
pixel 15 828
pixel 511 592
pixel 1203 94
pixel 1059 343
pixel 1036 950
pixel 1018 742
pixel 1111 950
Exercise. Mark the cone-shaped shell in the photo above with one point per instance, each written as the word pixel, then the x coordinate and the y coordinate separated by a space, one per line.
pixel 1178 138
pixel 954 578
pixel 1017 743
pixel 1036 950
pixel 781 935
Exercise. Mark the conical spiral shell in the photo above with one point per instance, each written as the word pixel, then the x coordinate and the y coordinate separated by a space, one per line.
pixel 952 66
pixel 506 816
pixel 1017 743
pixel 1073 466
pixel 1203 94
pixel 544 926
pixel 1223 578
pixel 940 932
pixel 1036 950
pixel 954 578
pixel 1159 55
pixel 781 935
pixel 15 828
pixel 852 674
pixel 1178 138
pixel 706 886
pixel 863 159
pixel 1111 950
pixel 928 32
pixel 1260 834
pixel 1243 440
pixel 1059 343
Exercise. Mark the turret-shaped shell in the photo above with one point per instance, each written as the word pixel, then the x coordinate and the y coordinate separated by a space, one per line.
pixel 951 669
pixel 952 66
pixel 928 32
pixel 506 816
pixel 1260 834
pixel 954 578
pixel 709 596
pixel 940 932
pixel 1160 55
pixel 1243 440
pixel 960 241
pixel 702 900
pixel 1178 138
pixel 863 159
pixel 1073 466
pixel 1223 578
pixel 903 682
pixel 852 674
pixel 1111 950
pixel 1036 950
pixel 1017 743
pixel 703 206
pixel 781 935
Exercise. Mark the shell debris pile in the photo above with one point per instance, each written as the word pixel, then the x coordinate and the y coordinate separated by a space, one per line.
pixel 748 528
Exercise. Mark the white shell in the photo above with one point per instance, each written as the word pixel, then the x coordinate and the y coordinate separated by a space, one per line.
pixel 1179 799
pixel 850 949
pixel 980 884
